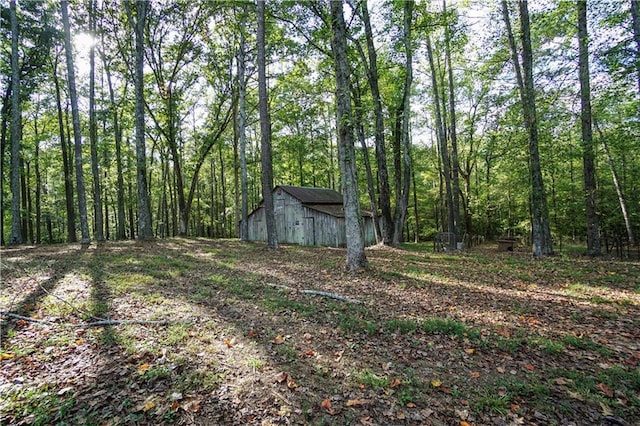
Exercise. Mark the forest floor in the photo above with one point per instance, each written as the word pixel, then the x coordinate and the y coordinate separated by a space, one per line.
pixel 194 331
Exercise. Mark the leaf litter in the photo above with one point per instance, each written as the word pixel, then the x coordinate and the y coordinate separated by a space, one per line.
pixel 471 338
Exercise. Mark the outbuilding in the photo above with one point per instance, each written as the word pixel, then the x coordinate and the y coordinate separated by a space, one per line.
pixel 309 217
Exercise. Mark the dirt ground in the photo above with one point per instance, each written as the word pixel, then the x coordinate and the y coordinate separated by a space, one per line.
pixel 202 332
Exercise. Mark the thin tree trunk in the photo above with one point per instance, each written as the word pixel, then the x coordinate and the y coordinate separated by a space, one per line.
pixel 145 231
pixel 36 160
pixel 619 191
pixel 442 142
pixel 93 133
pixel 365 157
pixel 588 149
pixel 381 156
pixel 242 135
pixel 455 166
pixel 16 132
pixel 77 132
pixel 356 258
pixel 540 231
pixel 121 218
pixel 402 195
pixel 265 133
pixel 66 166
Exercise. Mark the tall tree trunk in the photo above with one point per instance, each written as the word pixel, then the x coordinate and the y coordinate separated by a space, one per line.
pixel 455 166
pixel 359 119
pixel 77 132
pixel 616 184
pixel 402 190
pixel 16 132
pixel 93 133
pixel 145 231
pixel 121 218
pixel 356 258
pixel 635 20
pixel 588 149
pixel 540 231
pixel 381 156
pixel 442 142
pixel 36 160
pixel 265 132
pixel 66 166
pixel 242 134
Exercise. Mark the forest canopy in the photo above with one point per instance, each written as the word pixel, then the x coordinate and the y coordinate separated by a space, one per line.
pixel 480 119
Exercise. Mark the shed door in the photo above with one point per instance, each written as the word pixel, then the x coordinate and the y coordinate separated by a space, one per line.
pixel 309 231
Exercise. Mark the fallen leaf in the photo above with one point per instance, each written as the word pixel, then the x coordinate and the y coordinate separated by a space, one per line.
pixel 410 405
pixel 575 395
pixel 192 406
pixel 280 377
pixel 356 402
pixel 400 415
pixel 500 370
pixel 605 389
pixel 470 351
pixel 606 411
pixel 396 383
pixel 228 343
pixel 252 334
pixel 326 404
pixel 366 421
pixel 529 367
pixel 463 423
pixel 291 384
pixel 436 383
pixel 143 368
pixel 474 374
pixel 562 381
pixel 175 405
pixel 309 353
pixel 278 340
pixel 6 355
pixel 515 407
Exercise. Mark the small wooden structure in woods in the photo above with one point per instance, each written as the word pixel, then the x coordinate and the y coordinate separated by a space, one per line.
pixel 307 216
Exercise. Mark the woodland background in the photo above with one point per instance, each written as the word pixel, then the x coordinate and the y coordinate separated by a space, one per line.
pixel 469 168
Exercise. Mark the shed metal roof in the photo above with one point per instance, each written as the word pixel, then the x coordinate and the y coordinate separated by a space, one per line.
pixel 313 195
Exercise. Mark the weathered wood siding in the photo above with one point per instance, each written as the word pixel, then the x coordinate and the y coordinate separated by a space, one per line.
pixel 298 224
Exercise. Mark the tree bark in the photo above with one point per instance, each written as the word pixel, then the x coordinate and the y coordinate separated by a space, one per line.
pixel 381 155
pixel 242 134
pixel 540 231
pixel 265 132
pixel 442 142
pixel 145 231
pixel 455 166
pixel 365 157
pixel 77 132
pixel 356 258
pixel 588 149
pixel 16 132
pixel 66 166
pixel 93 133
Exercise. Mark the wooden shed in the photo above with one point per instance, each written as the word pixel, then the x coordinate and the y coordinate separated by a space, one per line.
pixel 307 216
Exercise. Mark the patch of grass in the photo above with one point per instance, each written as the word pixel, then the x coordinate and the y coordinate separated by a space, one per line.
pixel 496 404
pixel 256 364
pixel 175 334
pixel 401 325
pixel 42 404
pixel 510 345
pixel 200 379
pixel 585 343
pixel 158 372
pixel 128 281
pixel 549 346
pixel 604 314
pixel 448 327
pixel 373 380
